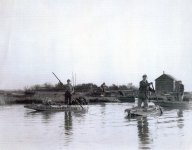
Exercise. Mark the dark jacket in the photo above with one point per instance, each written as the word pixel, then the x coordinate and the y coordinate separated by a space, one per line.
pixel 69 88
pixel 144 88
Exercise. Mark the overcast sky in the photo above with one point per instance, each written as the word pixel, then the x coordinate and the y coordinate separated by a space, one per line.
pixel 116 41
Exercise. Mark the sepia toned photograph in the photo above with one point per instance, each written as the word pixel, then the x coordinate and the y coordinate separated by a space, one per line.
pixel 95 74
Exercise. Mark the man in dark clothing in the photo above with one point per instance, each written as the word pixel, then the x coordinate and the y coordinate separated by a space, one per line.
pixel 144 88
pixel 181 91
pixel 68 93
pixel 103 87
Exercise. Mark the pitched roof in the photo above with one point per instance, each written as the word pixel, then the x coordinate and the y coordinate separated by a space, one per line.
pixel 168 75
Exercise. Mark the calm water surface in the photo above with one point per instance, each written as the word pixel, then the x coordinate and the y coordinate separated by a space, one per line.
pixel 102 127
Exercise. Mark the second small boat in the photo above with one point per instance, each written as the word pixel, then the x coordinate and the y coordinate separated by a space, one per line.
pixel 152 110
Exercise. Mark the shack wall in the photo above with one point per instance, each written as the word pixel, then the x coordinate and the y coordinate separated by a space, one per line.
pixel 165 84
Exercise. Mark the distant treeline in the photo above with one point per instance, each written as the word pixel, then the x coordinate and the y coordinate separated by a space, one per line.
pixel 85 87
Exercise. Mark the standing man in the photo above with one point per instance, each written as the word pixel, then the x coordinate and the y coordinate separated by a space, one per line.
pixel 181 91
pixel 103 88
pixel 68 93
pixel 144 88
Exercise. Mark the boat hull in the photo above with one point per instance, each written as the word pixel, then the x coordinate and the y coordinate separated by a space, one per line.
pixel 150 111
pixel 41 107
pixel 173 104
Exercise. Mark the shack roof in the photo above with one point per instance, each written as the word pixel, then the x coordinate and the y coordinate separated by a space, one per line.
pixel 168 75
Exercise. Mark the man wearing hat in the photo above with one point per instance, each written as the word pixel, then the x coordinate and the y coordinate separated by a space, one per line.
pixel 103 88
pixel 68 93
pixel 144 88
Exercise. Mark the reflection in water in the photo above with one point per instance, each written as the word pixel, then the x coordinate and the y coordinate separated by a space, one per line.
pixel 103 108
pixel 143 132
pixel 103 115
pixel 76 130
pixel 68 127
pixel 180 121
pixel 68 123
pixel 46 116
pixel 69 118
pixel 180 113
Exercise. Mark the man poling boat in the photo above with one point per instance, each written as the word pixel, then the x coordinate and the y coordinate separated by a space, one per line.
pixel 68 93
pixel 143 97
pixel 70 103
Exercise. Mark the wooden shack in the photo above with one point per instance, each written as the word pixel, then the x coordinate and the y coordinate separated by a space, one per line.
pixel 165 84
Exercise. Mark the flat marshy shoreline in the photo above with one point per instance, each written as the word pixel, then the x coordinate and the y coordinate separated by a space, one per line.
pixel 21 97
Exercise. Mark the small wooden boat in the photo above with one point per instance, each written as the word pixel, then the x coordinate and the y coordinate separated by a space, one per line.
pixel 172 104
pixel 152 110
pixel 43 107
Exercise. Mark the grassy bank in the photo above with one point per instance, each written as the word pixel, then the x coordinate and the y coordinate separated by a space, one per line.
pixel 39 97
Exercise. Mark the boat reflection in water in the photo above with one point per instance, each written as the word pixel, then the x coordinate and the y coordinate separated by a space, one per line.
pixel 68 122
pixel 102 127
pixel 68 127
pixel 145 138
pixel 143 132
pixel 71 119
pixel 180 121
pixel 180 113
pixel 45 117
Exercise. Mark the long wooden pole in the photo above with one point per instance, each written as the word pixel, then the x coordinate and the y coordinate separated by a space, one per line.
pixel 57 78
pixel 63 84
